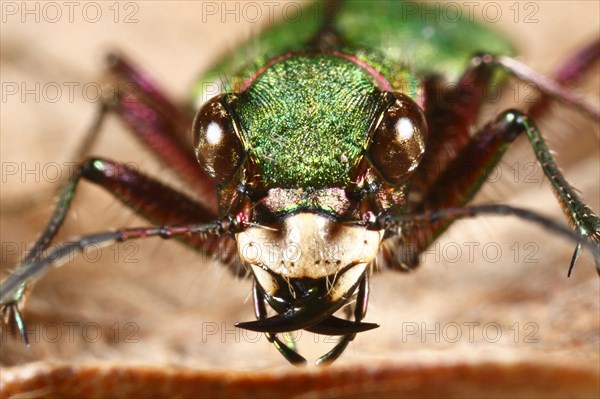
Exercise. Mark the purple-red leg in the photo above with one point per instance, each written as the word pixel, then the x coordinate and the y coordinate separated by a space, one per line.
pixel 157 123
pixel 450 113
pixel 146 196
pixel 150 198
pixel 144 87
pixel 151 129
pixel 466 172
pixel 11 289
pixel 570 73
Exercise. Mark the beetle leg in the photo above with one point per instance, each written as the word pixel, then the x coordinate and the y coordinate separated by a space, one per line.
pixel 450 113
pixel 569 73
pixel 145 89
pixel 396 224
pixel 156 122
pixel 33 268
pixel 547 86
pixel 452 106
pixel 148 197
pixel 152 129
pixel 86 143
pixel 468 171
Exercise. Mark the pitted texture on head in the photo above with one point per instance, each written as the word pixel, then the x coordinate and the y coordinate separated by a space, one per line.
pixel 305 120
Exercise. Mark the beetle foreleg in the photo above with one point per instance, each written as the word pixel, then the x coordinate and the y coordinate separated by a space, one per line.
pixel 34 267
pixel 150 198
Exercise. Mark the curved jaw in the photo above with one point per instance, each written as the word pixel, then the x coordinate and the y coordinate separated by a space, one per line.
pixel 312 311
pixel 307 267
pixel 330 326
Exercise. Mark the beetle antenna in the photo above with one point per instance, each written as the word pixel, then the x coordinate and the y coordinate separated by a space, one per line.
pixel 393 224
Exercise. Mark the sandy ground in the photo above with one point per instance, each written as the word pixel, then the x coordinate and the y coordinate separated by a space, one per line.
pixel 502 319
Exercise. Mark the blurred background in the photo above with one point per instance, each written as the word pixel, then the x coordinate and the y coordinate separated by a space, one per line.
pixel 499 283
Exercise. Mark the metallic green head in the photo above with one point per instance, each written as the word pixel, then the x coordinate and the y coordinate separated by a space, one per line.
pixel 305 119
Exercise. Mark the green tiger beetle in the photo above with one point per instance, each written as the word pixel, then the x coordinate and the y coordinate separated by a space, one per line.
pixel 339 144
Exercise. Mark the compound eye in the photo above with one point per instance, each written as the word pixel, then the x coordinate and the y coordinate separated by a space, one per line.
pixel 398 142
pixel 218 146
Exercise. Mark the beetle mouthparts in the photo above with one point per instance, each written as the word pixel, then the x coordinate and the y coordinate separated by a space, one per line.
pixel 287 322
